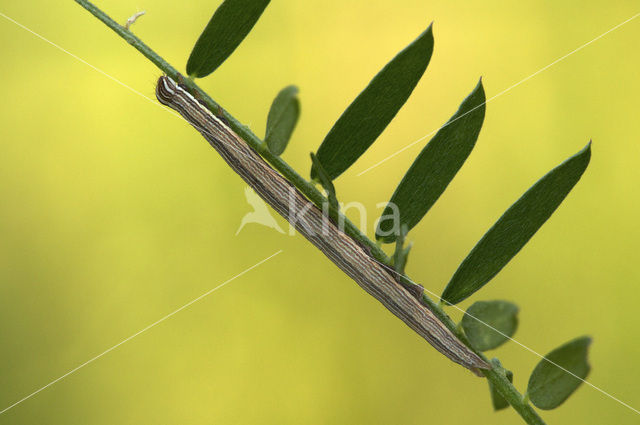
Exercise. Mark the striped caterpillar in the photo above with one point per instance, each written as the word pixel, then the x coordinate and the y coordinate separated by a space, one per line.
pixel 321 231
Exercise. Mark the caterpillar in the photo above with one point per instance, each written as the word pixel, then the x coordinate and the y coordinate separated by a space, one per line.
pixel 315 226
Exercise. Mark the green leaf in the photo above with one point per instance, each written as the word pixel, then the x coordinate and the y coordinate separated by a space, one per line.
pixel 514 229
pixel 374 108
pixel 228 26
pixel 549 386
pixel 488 324
pixel 436 166
pixel 326 183
pixel 282 119
pixel 497 400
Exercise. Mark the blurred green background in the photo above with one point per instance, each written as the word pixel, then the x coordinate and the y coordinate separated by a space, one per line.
pixel 114 213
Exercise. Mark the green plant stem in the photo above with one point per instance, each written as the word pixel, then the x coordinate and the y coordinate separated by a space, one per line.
pixel 499 381
pixel 241 130
pixel 497 377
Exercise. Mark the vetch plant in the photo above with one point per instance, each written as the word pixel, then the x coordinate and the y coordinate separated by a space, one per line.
pixel 486 324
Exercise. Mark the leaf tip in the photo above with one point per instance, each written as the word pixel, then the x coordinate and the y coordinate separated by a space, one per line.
pixel 479 88
pixel 585 155
pixel 588 340
pixel 429 31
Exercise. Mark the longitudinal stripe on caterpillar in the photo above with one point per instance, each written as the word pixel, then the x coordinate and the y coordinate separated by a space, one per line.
pixel 343 251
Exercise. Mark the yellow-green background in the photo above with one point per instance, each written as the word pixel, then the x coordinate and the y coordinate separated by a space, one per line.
pixel 114 213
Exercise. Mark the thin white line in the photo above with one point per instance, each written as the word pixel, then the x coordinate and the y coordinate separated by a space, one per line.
pixel 139 332
pixel 80 59
pixel 500 94
pixel 170 314
pixel 171 111
pixel 278 252
pixel 512 339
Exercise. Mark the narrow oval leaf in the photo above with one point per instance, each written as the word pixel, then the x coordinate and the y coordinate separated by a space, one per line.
pixel 489 324
pixel 282 119
pixel 514 229
pixel 374 108
pixel 436 166
pixel 497 400
pixel 228 26
pixel 549 386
